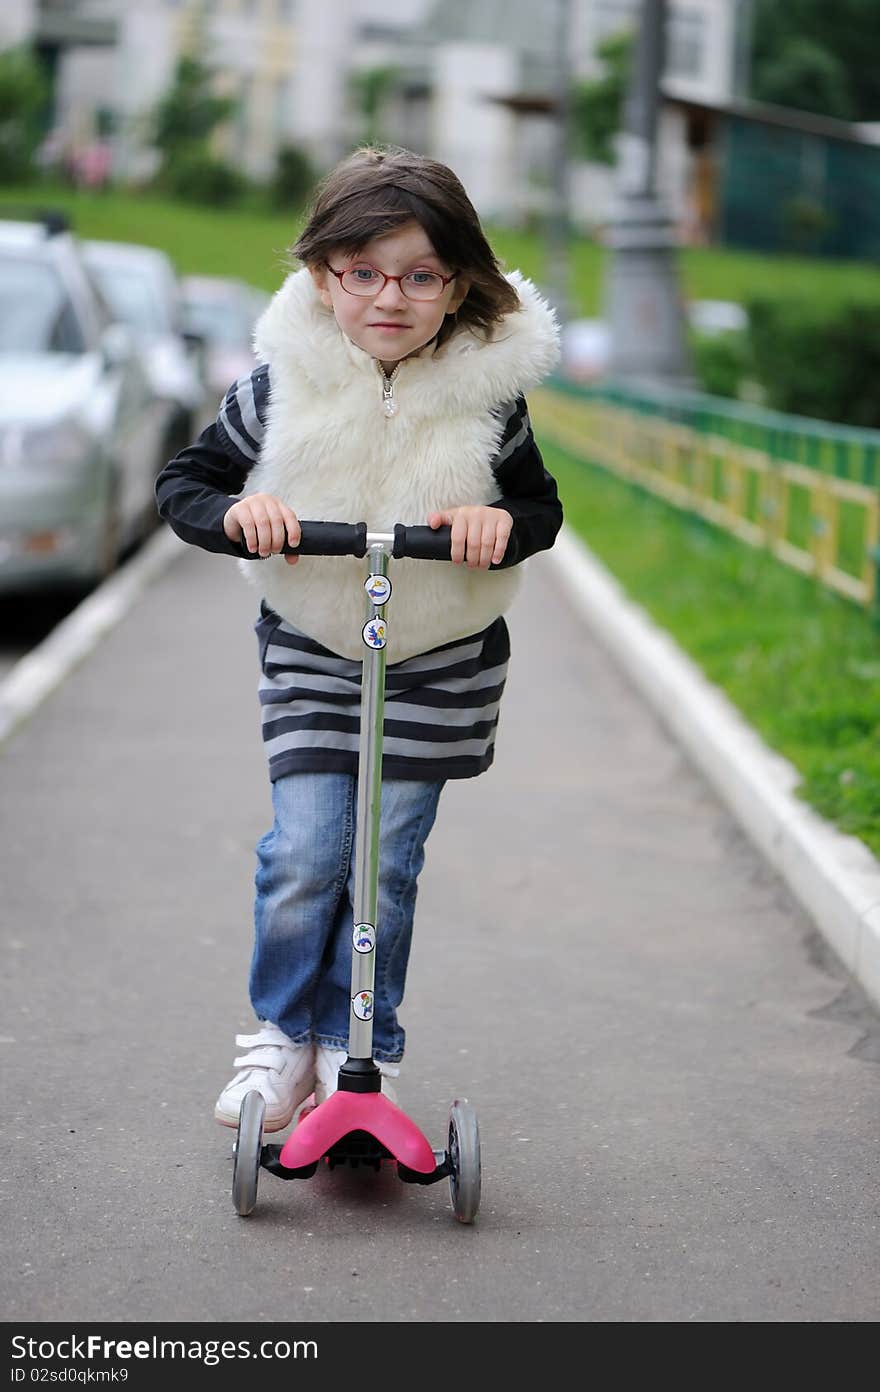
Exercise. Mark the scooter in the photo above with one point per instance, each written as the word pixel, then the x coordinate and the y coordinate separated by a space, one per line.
pixel 357 1125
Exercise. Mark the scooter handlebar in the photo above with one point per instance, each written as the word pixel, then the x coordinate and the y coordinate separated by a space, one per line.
pixel 350 539
pixel 422 543
pixel 331 539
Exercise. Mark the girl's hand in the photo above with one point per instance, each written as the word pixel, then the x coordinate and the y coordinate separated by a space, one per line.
pixel 265 523
pixel 479 534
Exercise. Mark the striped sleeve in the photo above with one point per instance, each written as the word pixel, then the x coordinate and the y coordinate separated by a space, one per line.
pixel 196 488
pixel 527 491
pixel 517 432
pixel 242 417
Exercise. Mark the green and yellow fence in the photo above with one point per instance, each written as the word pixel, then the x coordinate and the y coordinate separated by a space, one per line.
pixel 806 490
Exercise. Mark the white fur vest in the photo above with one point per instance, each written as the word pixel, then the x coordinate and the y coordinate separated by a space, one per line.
pixel 331 454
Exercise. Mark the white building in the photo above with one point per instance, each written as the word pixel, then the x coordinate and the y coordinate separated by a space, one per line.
pixel 466 82
pixel 483 51
pixel 287 61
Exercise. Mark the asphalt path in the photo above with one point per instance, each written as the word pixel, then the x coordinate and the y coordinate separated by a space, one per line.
pixel 677 1084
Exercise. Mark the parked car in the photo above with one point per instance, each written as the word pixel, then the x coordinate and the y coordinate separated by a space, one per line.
pixel 78 425
pixel 141 286
pixel 222 312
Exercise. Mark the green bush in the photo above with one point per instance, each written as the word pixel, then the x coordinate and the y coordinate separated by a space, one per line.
pixel 294 178
pixel 821 361
pixel 23 97
pixel 197 176
pixel 805 221
pixel 722 362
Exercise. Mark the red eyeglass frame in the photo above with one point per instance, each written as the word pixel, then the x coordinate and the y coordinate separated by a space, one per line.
pixel 368 267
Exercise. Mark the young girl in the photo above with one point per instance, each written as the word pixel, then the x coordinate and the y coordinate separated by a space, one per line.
pixel 390 389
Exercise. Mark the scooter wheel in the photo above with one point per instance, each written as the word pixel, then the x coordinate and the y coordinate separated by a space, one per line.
pixel 248 1144
pixel 464 1155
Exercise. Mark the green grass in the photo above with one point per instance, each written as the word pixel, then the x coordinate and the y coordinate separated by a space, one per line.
pixel 714 274
pixel 706 273
pixel 247 242
pixel 252 243
pixel 799 662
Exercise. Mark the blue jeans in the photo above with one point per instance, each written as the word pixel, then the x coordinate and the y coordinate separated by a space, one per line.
pixel 300 975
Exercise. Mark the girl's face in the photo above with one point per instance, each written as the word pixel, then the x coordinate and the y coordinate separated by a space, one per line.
pixel 387 325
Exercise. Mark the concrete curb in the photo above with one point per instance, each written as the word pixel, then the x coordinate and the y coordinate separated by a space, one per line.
pixel 834 877
pixel 43 669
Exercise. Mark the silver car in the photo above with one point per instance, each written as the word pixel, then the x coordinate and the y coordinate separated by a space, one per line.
pixel 222 312
pixel 79 444
pixel 141 286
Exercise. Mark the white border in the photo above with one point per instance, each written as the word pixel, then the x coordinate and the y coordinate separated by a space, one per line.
pixel 834 877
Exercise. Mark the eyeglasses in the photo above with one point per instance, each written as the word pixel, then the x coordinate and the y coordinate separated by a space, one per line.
pixel 367 282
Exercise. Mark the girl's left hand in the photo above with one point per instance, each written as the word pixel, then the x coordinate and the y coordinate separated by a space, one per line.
pixel 479 534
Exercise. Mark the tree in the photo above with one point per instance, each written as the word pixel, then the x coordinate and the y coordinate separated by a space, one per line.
pixel 182 126
pixel 597 106
pixel 371 89
pixel 189 113
pixel 24 93
pixel 293 179
pixel 817 56
pixel 808 78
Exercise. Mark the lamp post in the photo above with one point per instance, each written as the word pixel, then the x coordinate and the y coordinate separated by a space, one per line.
pixel 558 230
pixel 644 306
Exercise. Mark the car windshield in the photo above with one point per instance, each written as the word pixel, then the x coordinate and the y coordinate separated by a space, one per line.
pixel 133 296
pixel 36 315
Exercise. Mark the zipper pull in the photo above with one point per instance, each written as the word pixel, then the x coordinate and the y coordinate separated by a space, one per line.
pixel 389 405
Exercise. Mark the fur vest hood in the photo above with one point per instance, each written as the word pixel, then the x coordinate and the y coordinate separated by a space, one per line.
pixel 331 453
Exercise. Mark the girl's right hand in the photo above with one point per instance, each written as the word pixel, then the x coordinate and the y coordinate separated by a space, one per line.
pixel 265 523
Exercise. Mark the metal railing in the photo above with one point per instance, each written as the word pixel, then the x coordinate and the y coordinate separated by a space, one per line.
pixel 807 491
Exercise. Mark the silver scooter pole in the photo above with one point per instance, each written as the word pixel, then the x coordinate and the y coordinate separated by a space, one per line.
pixel 369 799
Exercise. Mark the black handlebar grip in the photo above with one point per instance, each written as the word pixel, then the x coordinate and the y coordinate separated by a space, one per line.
pixel 330 539
pixel 422 543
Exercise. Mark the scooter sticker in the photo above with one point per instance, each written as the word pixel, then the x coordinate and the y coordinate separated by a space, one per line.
pixel 364 937
pixel 374 633
pixel 362 1005
pixel 378 587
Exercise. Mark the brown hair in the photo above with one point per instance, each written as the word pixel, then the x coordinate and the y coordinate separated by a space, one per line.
pixel 374 190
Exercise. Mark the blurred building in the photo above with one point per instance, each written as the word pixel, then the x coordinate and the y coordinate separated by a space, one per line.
pixel 767 178
pixel 289 63
pixel 483 54
pixel 472 82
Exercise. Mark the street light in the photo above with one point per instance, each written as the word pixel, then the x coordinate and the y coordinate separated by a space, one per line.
pixel 644 306
pixel 558 221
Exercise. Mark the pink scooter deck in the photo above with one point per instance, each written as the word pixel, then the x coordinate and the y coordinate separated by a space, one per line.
pixel 343 1112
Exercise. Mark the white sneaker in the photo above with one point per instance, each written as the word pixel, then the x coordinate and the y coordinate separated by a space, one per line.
pixel 283 1072
pixel 327 1065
